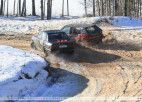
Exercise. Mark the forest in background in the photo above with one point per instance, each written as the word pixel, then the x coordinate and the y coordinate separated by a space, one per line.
pixel 132 8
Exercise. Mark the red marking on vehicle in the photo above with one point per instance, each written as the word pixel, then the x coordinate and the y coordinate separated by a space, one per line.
pixel 53 47
pixel 89 38
pixel 76 39
pixel 65 40
pixel 62 40
pixel 58 41
pixel 83 36
pixel 68 34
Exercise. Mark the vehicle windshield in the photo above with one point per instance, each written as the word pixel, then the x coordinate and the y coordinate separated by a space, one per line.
pixel 57 36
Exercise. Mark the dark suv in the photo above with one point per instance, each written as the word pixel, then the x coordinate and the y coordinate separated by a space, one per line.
pixel 53 40
pixel 83 33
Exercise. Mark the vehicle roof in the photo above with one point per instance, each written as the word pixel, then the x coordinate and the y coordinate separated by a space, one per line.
pixel 52 31
pixel 79 25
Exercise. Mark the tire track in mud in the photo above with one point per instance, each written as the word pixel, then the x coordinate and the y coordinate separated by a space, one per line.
pixel 116 79
pixel 108 75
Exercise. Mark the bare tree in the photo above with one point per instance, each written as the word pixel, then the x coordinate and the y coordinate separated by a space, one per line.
pixel 67 7
pixel 1 9
pixel 42 13
pixel 62 8
pixel 102 7
pixel 116 7
pixel 33 8
pixel 48 9
pixel 19 7
pixel 125 8
pixel 94 1
pixel 44 7
pixel 7 7
pixel 14 7
pixel 85 6
pixel 24 8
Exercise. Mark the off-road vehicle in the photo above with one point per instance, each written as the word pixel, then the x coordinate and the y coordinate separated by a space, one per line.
pixel 83 33
pixel 53 40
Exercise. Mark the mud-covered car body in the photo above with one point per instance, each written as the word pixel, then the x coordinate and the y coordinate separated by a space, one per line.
pixel 53 40
pixel 83 32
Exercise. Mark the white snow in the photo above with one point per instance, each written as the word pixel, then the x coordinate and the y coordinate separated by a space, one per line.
pixel 33 25
pixel 15 64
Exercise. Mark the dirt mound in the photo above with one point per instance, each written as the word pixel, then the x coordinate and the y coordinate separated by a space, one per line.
pixel 103 21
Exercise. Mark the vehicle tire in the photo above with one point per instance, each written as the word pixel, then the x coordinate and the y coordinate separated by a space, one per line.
pixel 71 52
pixel 33 45
pixel 98 40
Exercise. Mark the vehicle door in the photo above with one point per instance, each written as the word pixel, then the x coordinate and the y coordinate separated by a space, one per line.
pixel 43 40
pixel 74 33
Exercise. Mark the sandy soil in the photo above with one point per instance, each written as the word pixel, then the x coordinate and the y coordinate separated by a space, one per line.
pixel 113 69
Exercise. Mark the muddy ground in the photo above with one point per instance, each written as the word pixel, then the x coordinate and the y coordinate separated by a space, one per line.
pixel 112 69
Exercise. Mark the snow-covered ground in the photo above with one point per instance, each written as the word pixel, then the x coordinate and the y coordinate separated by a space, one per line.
pixel 20 71
pixel 23 77
pixel 33 25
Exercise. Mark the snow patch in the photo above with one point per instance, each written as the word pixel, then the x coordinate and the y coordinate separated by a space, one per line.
pixel 33 25
pixel 20 70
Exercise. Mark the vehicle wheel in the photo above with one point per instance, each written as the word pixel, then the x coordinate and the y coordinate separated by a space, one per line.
pixel 46 53
pixel 33 45
pixel 72 52
pixel 97 41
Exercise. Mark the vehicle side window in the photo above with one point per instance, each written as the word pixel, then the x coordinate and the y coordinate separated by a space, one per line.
pixel 91 29
pixel 44 36
pixel 66 29
pixel 83 31
pixel 75 31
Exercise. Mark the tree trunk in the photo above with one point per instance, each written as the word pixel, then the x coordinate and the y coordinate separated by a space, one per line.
pixel 102 7
pixel 67 7
pixel 49 10
pixel 94 8
pixel 33 8
pixel 44 7
pixel 99 10
pixel 19 7
pixel 24 8
pixel 125 8
pixel 1 9
pixel 85 5
pixel 62 8
pixel 140 9
pixel 42 14
pixel 14 7
pixel 109 9
pixel 7 7
pixel 116 8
